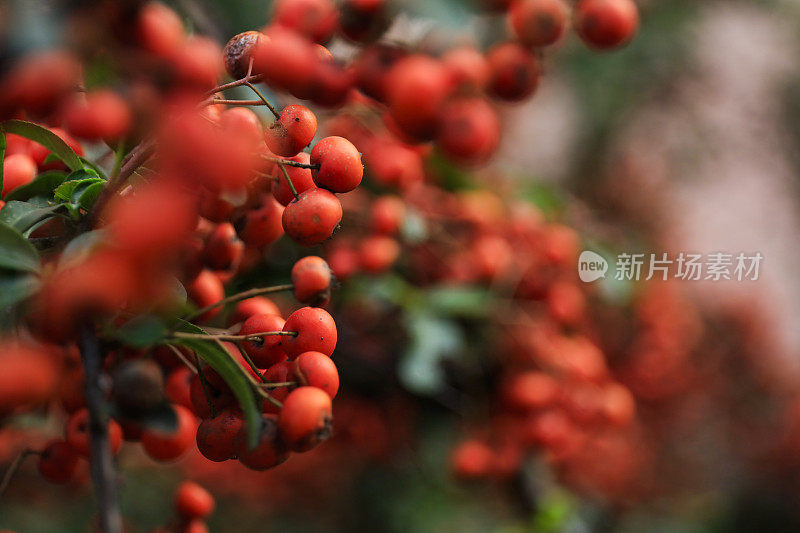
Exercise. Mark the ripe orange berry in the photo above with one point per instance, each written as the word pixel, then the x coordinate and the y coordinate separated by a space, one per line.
pixel 168 446
pixel 469 131
pixel 160 30
pixel 378 253
pixel 606 24
pixel 340 168
pixel 193 501
pixel 178 388
pixel 58 462
pixel 216 436
pixel 417 86
pixel 313 217
pixel 467 67
pixel 387 214
pixel 538 22
pixel 282 372
pixel 306 418
pixel 530 390
pixel 76 433
pixel 315 19
pixel 472 460
pixel 301 179
pixel 269 451
pixel 205 290
pixel 30 375
pixel 312 277
pixel 316 369
pixel 515 72
pixel 215 391
pixel 223 250
pixel 316 332
pixel 257 305
pixel 261 226
pixel 268 351
pixel 292 131
pixel 100 115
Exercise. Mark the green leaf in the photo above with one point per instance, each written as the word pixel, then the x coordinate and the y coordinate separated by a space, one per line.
pixel 42 185
pixel 14 289
pixel 80 247
pixel 16 253
pixel 142 331
pixel 46 138
pixel 23 215
pixel 230 371
pixel 79 179
pixel 433 339
pixel 88 164
pixel 459 301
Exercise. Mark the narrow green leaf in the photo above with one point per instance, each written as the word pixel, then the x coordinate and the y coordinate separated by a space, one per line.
pixel 23 215
pixel 14 289
pixel 92 166
pixel 80 247
pixel 46 138
pixel 42 185
pixel 16 253
pixel 231 372
pixel 142 331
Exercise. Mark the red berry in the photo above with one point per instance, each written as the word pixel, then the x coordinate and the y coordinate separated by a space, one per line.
pixel 313 217
pixel 160 29
pixel 538 22
pixel 316 369
pixel 469 131
pixel 76 433
pixel 306 418
pixel 282 372
pixel 472 460
pixel 268 351
pixel 316 19
pixel 18 170
pixel 223 250
pixel 311 277
pixel 417 86
pixel 193 501
pixel 530 390
pixel 257 305
pixel 285 58
pixel 301 179
pixel 169 445
pixel 606 24
pixel 515 72
pixel 178 387
pixel 292 131
pixel 239 51
pixel 467 67
pixel 262 226
pixel 316 332
pixel 378 253
pixel 373 66
pixel 244 123
pixel 215 391
pixel 270 451
pixel 340 168
pixel 216 436
pixel 198 63
pixel 204 290
pixel 100 115
pixel 387 214
pixel 58 462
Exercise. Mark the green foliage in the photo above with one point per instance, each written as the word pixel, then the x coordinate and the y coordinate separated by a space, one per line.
pixel 42 185
pixel 16 253
pixel 46 138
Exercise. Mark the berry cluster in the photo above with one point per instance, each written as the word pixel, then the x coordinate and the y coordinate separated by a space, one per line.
pixel 133 214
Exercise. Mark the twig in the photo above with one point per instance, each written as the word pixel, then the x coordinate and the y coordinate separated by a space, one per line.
pixel 101 465
pixel 13 467
pixel 231 338
pixel 258 291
